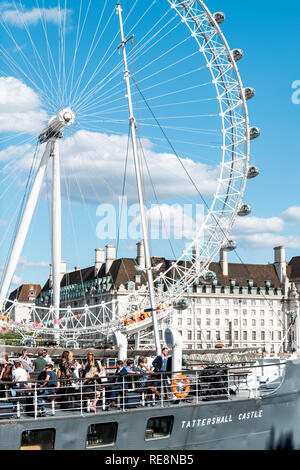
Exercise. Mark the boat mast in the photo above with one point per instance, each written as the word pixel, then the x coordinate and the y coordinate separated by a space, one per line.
pixel 137 164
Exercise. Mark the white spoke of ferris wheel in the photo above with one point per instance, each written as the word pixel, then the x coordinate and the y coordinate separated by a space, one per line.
pixel 24 225
pixel 90 53
pixel 15 67
pixel 116 86
pixel 104 102
pixel 81 95
pixel 97 99
pixel 36 53
pixel 49 51
pixel 62 46
pixel 96 87
pixel 78 40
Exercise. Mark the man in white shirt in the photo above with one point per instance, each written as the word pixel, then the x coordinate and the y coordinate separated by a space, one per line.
pixel 19 374
pixel 46 356
pixel 26 361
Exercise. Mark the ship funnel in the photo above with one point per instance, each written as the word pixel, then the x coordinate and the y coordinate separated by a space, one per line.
pixel 174 341
pixel 120 342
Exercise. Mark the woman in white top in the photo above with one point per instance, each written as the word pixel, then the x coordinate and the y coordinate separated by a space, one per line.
pixel 19 375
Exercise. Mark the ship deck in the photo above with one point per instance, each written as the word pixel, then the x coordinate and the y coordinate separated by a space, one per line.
pixel 165 390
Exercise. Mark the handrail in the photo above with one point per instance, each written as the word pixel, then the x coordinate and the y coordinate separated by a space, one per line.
pixel 29 400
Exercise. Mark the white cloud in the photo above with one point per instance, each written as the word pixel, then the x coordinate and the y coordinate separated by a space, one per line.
pixel 16 280
pixel 252 225
pixel 291 215
pixel 168 222
pixel 97 161
pixel 268 240
pixel 92 169
pixel 23 152
pixel 24 264
pixel 259 232
pixel 20 107
pixel 17 17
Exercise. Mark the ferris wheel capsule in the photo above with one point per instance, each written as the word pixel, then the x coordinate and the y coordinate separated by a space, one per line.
pixel 209 277
pixel 254 132
pixel 237 54
pixel 181 304
pixel 219 18
pixel 249 93
pixel 230 245
pixel 253 172
pixel 245 210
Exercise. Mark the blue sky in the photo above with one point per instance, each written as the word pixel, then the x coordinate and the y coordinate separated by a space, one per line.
pixel 270 40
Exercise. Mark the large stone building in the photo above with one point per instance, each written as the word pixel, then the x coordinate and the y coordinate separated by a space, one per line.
pixel 248 305
pixel 23 297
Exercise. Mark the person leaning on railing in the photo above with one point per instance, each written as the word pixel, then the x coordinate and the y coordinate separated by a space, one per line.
pixel 4 377
pixel 146 382
pixel 92 387
pixel 26 361
pixel 160 364
pixel 48 387
pixel 66 376
pixel 117 382
pixel 91 365
pixel 39 363
pixel 19 376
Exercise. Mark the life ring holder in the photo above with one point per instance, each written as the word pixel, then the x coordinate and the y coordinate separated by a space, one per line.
pixel 184 393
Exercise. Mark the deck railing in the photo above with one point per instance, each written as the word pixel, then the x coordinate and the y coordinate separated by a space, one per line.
pixel 124 393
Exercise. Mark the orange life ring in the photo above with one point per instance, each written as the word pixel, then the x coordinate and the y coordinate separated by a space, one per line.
pixel 142 316
pixel 184 393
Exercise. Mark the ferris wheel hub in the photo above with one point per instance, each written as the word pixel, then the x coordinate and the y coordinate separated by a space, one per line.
pixel 68 116
pixel 56 124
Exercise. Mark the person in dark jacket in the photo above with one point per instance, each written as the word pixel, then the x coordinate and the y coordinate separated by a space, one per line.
pixel 160 364
pixel 48 387
pixel 117 381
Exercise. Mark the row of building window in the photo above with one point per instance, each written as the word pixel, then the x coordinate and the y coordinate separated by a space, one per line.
pixel 217 311
pixel 226 301
pixel 217 322
pixel 246 335
pixel 272 347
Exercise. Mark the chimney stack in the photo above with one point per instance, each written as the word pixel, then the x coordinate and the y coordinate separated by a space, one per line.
pixel 99 259
pixel 196 256
pixel 280 266
pixel 110 257
pixel 50 276
pixel 141 255
pixel 223 261
pixel 63 271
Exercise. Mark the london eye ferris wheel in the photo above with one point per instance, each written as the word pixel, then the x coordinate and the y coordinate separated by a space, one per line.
pixel 69 126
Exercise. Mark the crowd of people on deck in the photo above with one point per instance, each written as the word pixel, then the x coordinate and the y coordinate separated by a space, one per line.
pixel 72 381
